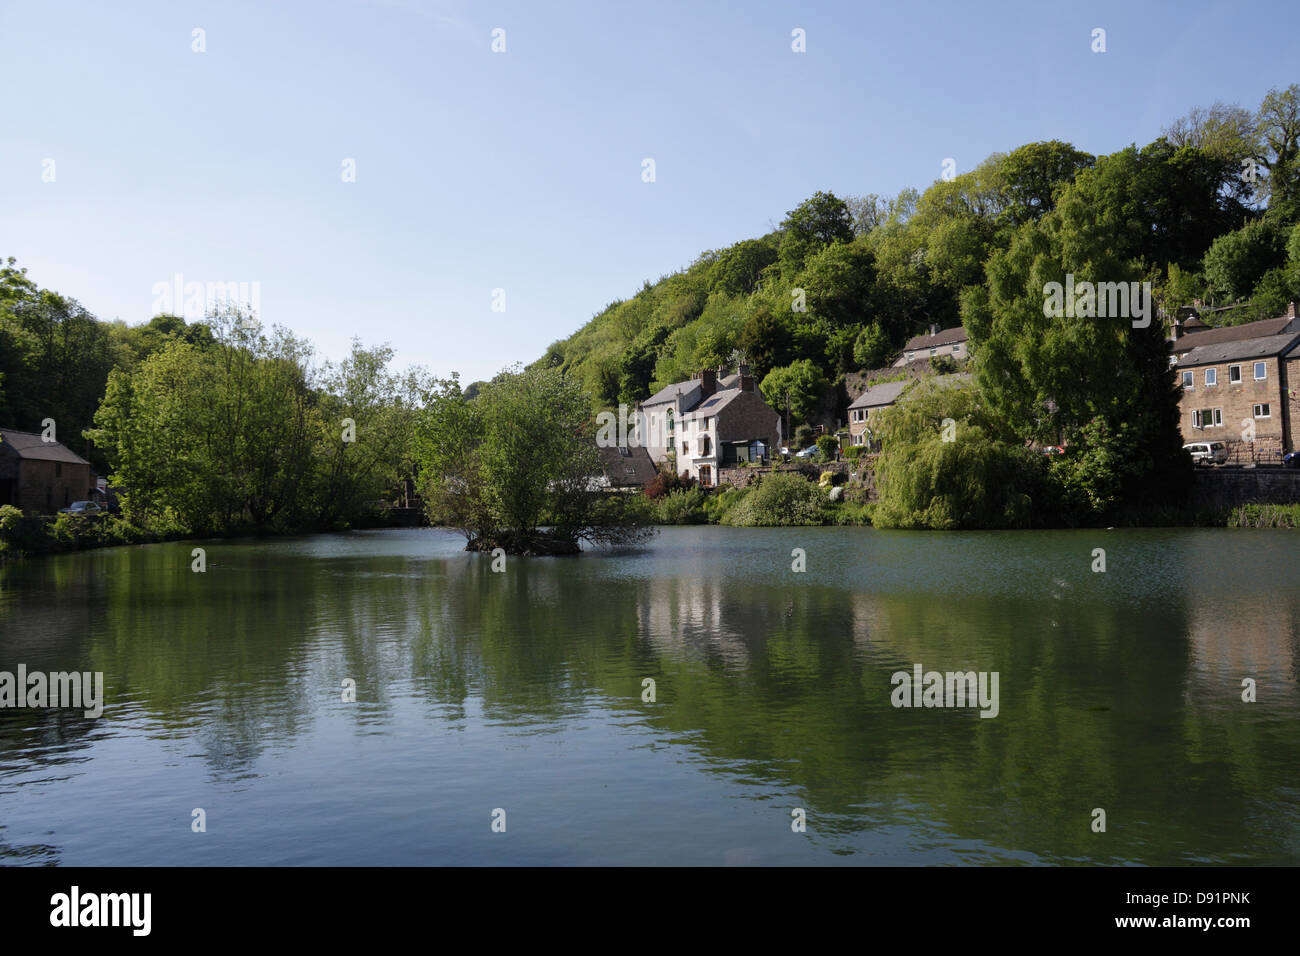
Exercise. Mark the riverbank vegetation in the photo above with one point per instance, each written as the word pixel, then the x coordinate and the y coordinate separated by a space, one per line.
pixel 225 427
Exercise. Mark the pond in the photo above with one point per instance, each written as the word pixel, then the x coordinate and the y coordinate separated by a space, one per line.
pixel 693 701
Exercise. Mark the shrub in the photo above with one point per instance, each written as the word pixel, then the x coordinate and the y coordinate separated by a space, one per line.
pixel 717 506
pixel 683 506
pixel 853 513
pixel 828 445
pixel 781 500
pixel 666 482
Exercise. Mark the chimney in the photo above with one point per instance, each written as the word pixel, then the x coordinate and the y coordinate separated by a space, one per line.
pixel 934 328
pixel 746 381
pixel 1292 309
pixel 742 369
pixel 708 381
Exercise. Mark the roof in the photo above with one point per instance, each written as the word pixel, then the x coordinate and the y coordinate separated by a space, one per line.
pixel 1230 333
pixel 1261 347
pixel 878 395
pixel 32 446
pixel 715 402
pixel 628 467
pixel 669 392
pixel 943 337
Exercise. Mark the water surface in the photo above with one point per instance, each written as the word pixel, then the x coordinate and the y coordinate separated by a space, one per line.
pixel 523 691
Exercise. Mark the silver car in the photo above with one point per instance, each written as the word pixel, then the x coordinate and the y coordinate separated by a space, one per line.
pixel 1207 452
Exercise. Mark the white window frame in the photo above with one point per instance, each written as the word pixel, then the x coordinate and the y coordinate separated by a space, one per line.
pixel 1189 380
pixel 1264 405
pixel 956 347
pixel 1216 418
pixel 1258 366
pixel 1231 370
pixel 1211 377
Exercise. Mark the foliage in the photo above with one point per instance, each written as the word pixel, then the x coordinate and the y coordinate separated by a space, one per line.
pixel 976 480
pixel 798 387
pixel 667 481
pixel 780 500
pixel 1264 516
pixel 682 506
pixel 523 453
pixel 828 445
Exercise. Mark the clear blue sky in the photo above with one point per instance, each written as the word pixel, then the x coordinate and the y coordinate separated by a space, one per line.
pixel 522 170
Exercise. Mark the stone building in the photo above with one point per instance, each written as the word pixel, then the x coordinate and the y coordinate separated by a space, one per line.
pixel 867 407
pixel 952 343
pixel 709 422
pixel 1241 385
pixel 41 476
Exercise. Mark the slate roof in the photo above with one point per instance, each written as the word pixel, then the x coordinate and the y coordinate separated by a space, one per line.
pixel 943 337
pixel 1230 333
pixel 31 446
pixel 1256 348
pixel 715 402
pixel 878 395
pixel 669 392
pixel 627 467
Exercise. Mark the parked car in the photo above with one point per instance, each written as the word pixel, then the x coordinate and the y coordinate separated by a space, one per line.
pixel 82 508
pixel 1052 450
pixel 807 452
pixel 1291 459
pixel 1207 452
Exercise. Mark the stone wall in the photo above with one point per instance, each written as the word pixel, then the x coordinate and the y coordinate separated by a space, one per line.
pixel 1219 488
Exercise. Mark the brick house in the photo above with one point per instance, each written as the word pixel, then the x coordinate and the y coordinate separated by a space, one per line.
pixel 948 342
pixel 1240 385
pixel 41 476
pixel 710 422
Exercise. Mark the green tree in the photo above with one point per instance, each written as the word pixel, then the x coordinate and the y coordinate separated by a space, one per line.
pixel 521 455
pixel 798 387
pixel 812 225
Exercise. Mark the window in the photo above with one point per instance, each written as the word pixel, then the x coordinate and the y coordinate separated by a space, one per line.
pixel 1234 374
pixel 933 352
pixel 706 476
pixel 685 446
pixel 1211 377
pixel 909 356
pixel 1207 417
pixel 1187 379
pixel 708 423
pixel 670 421
pixel 956 347
pixel 704 446
pixel 1263 411
pixel 1261 371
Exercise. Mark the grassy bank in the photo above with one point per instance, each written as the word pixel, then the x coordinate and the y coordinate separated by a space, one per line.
pixel 26 535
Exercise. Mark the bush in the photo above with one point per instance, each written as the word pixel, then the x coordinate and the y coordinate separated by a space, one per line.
pixel 781 500
pixel 717 506
pixel 853 513
pixel 684 506
pixel 828 445
pixel 666 482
